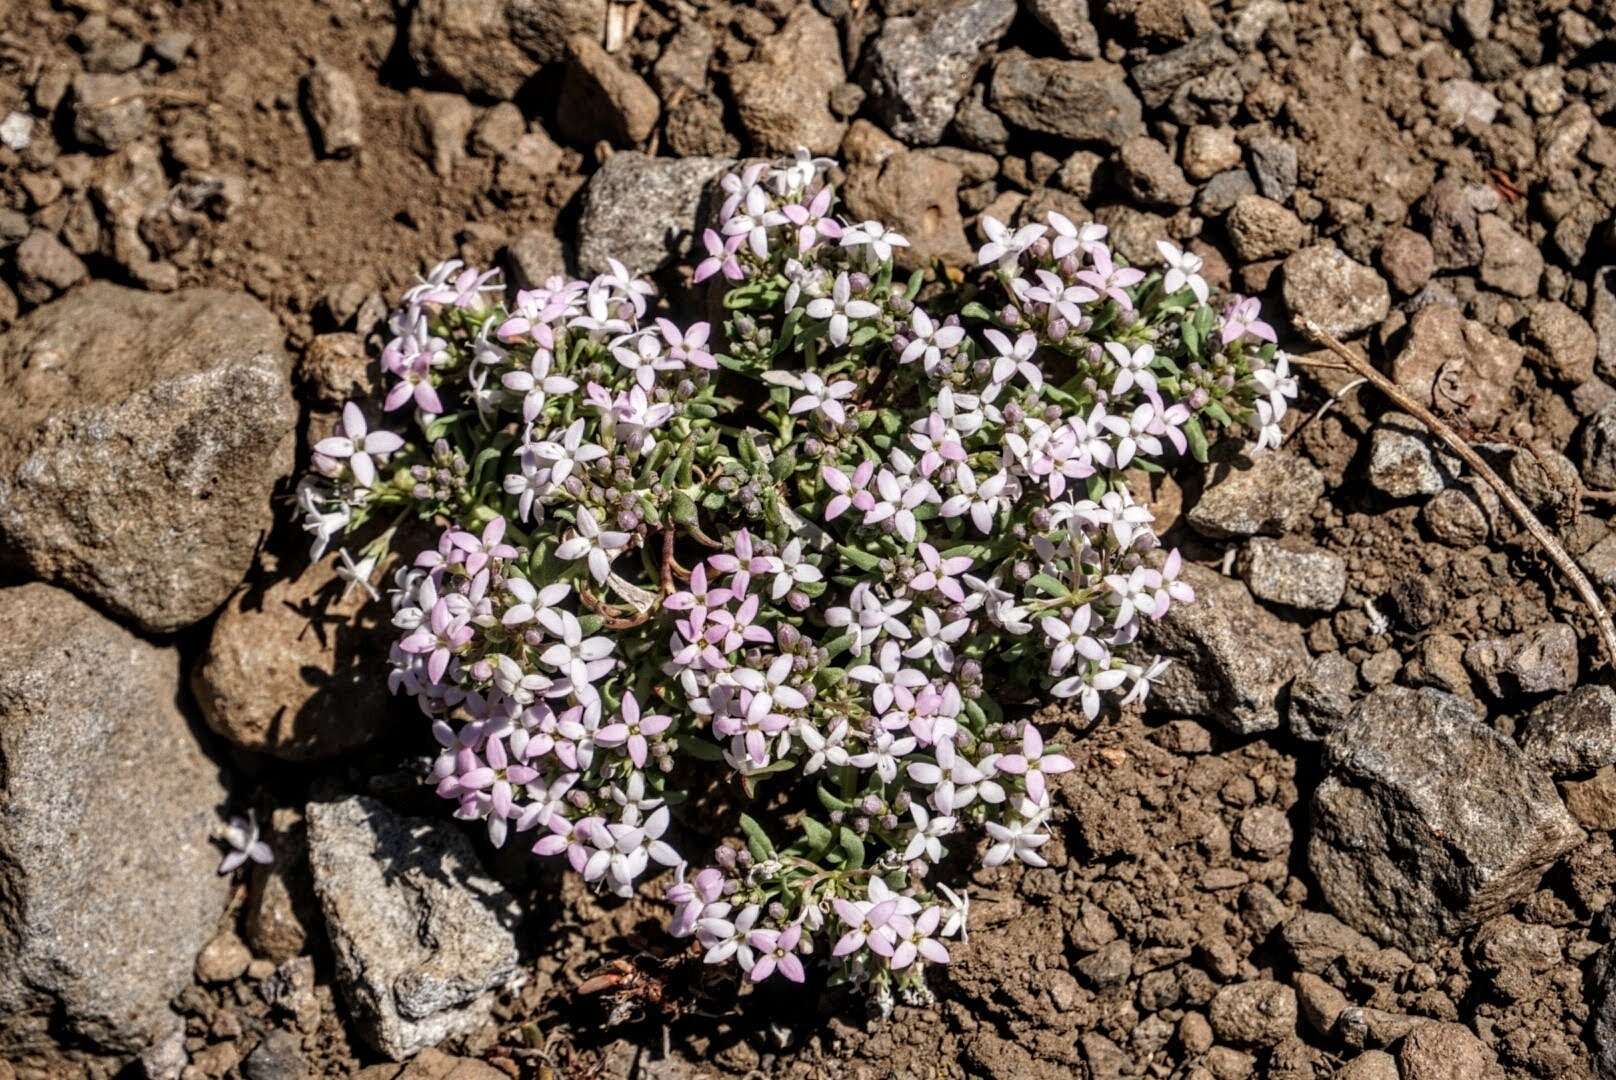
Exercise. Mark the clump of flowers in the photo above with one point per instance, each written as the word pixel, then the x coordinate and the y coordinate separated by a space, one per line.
pixel 825 553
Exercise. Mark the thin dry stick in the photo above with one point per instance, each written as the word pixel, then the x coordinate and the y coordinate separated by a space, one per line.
pixel 1506 494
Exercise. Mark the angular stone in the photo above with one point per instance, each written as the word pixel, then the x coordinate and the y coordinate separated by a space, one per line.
pixel 106 807
pixel 782 95
pixel 1510 262
pixel 491 48
pixel 1344 297
pixel 1082 100
pixel 1071 24
pixel 109 111
pixel 1573 733
pixel 643 210
pixel 1160 76
pixel 916 187
pixel 1209 151
pixel 1150 175
pixel 1321 696
pixel 423 937
pixel 919 67
pixel 1407 260
pixel 1429 821
pixel 1231 657
pixel 441 124
pixel 46 267
pixel 334 369
pixel 1453 211
pixel 1537 661
pixel 332 103
pixel 602 98
pixel 1565 343
pixel 1404 461
pixel 296 670
pixel 1293 573
pixel 1260 228
pixel 146 437
pixel 1469 366
pixel 1438 1051
pixel 1257 1013
pixel 1272 493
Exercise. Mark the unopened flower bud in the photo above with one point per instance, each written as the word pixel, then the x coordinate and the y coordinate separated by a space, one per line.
pixel 889 822
pixel 1058 329
pixel 724 856
pixel 858 281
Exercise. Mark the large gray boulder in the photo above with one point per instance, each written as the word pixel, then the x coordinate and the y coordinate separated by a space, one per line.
pixel 919 67
pixel 144 438
pixel 1231 656
pixel 1429 821
pixel 644 211
pixel 423 937
pixel 108 887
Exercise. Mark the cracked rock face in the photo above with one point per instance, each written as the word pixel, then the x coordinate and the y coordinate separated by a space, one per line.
pixel 424 938
pixel 146 437
pixel 106 806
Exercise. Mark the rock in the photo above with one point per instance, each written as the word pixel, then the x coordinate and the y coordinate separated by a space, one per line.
pixel 147 436
pixel 533 258
pixel 1456 516
pixel 1133 233
pixel 423 937
pixel 1461 102
pixel 1593 801
pixel 1359 1027
pixel 1293 573
pixel 1404 461
pixel 665 196
pixel 1260 229
pixel 782 95
pixel 334 112
pixel 87 708
pixel 1320 1004
pixel 1601 1027
pixel 1510 262
pixel 1262 832
pixel 297 670
pixel 979 127
pixel 1069 21
pixel 1407 260
pixel 1316 939
pixel 1453 212
pixel 1538 661
pixel 334 369
pixel 434 1065
pixel 282 913
pixel 919 67
pixel 1437 1051
pixel 532 162
pixel 491 48
pixel 45 267
pixel 442 123
pixel 1231 657
pixel 1108 967
pixel 601 98
pixel 1429 822
pixel 278 1057
pixel 1081 100
pixel 1573 733
pixel 223 959
pixel 1227 1063
pixel 1273 165
pixel 1513 954
pixel 1220 194
pixel 109 111
pixel 1602 315
pixel 1321 696
pixel 915 187
pixel 1370 1065
pixel 497 130
pixel 1566 344
pixel 1273 493
pixel 695 127
pixel 1451 362
pixel 1598 445
pixel 1149 174
pixel 1257 1013
pixel 1159 77
pixel 1344 297
pixel 1209 151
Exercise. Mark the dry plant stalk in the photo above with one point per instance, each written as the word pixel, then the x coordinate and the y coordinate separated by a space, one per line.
pixel 1506 494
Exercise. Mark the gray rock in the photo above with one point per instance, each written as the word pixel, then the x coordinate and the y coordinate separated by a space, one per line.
pixel 278 1057
pixel 1069 21
pixel 1231 657
pixel 1323 284
pixel 643 210
pixel 603 98
pixel 332 103
pixel 1225 190
pixel 1273 164
pixel 1270 493
pixel 148 434
pixel 1573 733
pixel 1257 1013
pixel 1429 821
pixel 1293 573
pixel 1510 262
pixel 919 67
pixel 423 937
pixel 1150 175
pixel 1598 445
pixel 1450 362
pixel 1602 1008
pixel 108 111
pixel 1260 228
pixel 1453 211
pixel 978 126
pixel 1462 102
pixel 1159 77
pixel 533 258
pixel 1322 696
pixel 108 887
pixel 1083 100
pixel 490 48
pixel 1602 314
pixel 1565 343
pixel 1541 660
pixel 1404 461
pixel 1316 939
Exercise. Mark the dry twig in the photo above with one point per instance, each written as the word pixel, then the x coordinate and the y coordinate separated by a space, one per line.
pixel 1411 405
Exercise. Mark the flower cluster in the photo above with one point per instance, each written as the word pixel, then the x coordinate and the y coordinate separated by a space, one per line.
pixel 849 598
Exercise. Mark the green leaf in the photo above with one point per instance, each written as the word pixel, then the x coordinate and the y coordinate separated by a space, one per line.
pixel 975 310
pixel 831 802
pixel 1050 585
pixel 818 836
pixel 700 748
pixel 852 847
pixel 757 841
pixel 861 559
pixel 684 509
pixel 1196 438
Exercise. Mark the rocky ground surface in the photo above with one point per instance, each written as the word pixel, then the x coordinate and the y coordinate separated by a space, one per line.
pixel 1365 831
